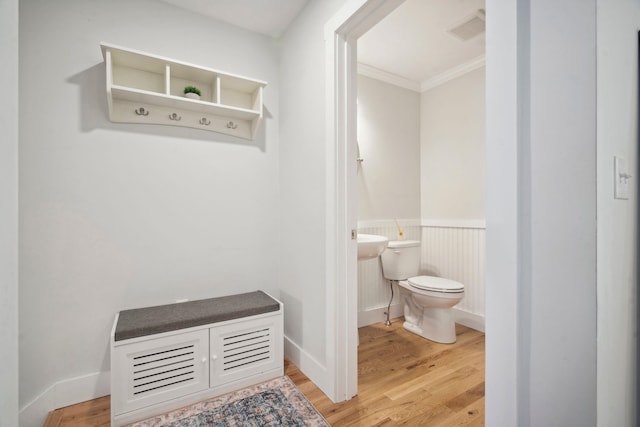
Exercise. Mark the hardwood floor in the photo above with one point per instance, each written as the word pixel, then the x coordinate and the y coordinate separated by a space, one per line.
pixel 406 380
pixel 92 413
pixel 402 380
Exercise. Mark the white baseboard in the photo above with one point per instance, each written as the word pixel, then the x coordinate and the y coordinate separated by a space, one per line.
pixel 309 366
pixel 86 387
pixel 64 393
pixel 35 412
pixel 470 320
pixel 79 389
pixel 83 388
pixel 376 315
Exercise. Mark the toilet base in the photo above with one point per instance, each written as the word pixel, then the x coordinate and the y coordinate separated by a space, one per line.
pixel 435 324
pixel 428 315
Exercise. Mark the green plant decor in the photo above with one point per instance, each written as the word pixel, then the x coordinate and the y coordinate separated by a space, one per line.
pixel 192 89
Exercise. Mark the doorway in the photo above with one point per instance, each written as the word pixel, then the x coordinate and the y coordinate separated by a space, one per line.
pixel 421 149
pixel 342 32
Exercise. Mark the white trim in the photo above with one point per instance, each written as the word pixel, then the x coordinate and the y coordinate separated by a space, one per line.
pixel 428 84
pixel 468 319
pixel 9 216
pixel 385 76
pixel 505 391
pixel 341 32
pixel 389 223
pixel 64 393
pixel 455 223
pixel 452 73
pixel 504 30
pixel 79 389
pixel 377 315
pixel 34 413
pixel 338 356
pixel 307 364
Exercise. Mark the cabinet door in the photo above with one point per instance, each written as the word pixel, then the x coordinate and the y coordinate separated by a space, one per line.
pixel 245 348
pixel 160 369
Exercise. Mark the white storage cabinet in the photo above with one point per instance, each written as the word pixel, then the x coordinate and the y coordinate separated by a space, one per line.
pixel 155 373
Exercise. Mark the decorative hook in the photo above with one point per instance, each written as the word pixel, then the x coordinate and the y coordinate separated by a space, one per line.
pixel 142 112
pixel 204 121
pixel 232 125
pixel 175 117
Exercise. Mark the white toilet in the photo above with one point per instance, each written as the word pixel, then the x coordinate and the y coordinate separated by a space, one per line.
pixel 427 300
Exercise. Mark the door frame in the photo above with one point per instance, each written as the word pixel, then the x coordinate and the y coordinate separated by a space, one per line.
pixel 504 30
pixel 341 35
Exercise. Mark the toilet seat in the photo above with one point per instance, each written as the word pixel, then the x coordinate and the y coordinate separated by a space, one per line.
pixel 436 284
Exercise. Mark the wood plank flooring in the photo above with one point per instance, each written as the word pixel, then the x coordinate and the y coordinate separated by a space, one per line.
pixel 92 413
pixel 403 380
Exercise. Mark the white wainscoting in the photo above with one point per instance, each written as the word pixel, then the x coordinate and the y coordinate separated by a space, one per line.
pixel 457 252
pixel 451 249
pixel 373 289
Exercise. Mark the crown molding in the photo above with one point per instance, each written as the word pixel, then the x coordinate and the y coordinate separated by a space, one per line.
pixel 394 79
pixel 378 74
pixel 453 73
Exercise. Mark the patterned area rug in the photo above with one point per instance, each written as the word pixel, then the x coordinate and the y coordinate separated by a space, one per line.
pixel 274 403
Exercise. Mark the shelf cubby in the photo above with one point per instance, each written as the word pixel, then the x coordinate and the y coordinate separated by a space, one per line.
pixel 144 88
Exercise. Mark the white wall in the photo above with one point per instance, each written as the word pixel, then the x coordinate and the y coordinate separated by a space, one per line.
pixel 389 140
pixel 115 216
pixel 541 222
pixel 9 214
pixel 560 225
pixel 541 214
pixel 452 149
pixel 617 123
pixel 432 141
pixel 303 189
pixel 534 337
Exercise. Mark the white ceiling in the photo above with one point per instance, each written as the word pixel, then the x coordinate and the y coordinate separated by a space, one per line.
pixel 411 42
pixel 270 17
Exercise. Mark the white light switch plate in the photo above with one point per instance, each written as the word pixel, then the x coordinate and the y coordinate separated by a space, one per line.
pixel 621 178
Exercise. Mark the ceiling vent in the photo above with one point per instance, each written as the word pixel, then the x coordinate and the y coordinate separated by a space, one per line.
pixel 472 26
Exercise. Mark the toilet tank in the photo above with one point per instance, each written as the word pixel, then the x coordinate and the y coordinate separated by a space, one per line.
pixel 401 259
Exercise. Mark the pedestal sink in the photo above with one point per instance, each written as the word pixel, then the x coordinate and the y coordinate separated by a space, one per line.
pixel 370 246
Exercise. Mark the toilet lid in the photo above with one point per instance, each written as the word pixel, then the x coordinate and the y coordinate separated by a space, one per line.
pixel 436 284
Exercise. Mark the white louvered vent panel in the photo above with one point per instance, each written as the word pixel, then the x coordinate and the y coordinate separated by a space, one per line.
pixel 160 369
pixel 244 349
pixel 163 369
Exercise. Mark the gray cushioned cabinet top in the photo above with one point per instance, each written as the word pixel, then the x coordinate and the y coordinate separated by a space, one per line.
pixel 164 318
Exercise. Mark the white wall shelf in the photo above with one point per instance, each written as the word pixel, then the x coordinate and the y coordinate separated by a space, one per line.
pixel 144 88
